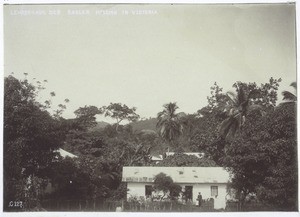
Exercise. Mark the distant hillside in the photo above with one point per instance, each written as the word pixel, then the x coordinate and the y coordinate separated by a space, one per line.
pixel 100 125
pixel 148 124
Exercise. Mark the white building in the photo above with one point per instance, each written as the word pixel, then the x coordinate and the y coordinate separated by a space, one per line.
pixel 210 181
pixel 196 154
pixel 157 158
pixel 65 153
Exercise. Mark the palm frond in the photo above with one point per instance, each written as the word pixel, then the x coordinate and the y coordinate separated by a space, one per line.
pixel 294 85
pixel 241 96
pixel 288 96
pixel 229 126
pixel 290 102
pixel 225 127
pixel 235 125
pixel 168 124
pixel 232 97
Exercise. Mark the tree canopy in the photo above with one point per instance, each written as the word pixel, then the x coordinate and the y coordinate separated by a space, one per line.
pixel 166 185
pixel 86 116
pixel 262 156
pixel 184 160
pixel 120 112
pixel 243 131
pixel 168 123
pixel 31 135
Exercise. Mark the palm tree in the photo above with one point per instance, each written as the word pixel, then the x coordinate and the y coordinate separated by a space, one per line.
pixel 168 123
pixel 288 96
pixel 237 108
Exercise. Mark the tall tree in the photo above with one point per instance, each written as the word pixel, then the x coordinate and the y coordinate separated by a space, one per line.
pixel 237 108
pixel 86 116
pixel 248 97
pixel 31 135
pixel 120 112
pixel 168 123
pixel 263 159
pixel 74 180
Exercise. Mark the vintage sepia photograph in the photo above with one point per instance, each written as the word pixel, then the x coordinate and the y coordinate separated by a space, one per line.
pixel 150 108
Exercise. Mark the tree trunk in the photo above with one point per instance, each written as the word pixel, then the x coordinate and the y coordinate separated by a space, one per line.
pixel 117 125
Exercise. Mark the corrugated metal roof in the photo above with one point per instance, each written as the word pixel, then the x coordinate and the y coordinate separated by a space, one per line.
pixel 178 174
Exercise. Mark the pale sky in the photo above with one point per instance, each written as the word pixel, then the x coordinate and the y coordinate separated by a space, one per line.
pixel 174 54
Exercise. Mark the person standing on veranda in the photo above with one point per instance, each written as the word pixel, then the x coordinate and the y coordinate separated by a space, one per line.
pixel 199 198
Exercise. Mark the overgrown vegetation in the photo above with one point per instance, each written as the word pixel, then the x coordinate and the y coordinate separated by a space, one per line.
pixel 244 131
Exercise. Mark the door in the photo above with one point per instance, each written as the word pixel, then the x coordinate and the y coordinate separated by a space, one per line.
pixel 189 193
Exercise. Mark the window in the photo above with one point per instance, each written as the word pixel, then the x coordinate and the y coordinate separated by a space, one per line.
pixel 148 191
pixel 214 191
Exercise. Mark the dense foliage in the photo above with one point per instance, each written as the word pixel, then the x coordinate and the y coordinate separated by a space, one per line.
pixel 261 153
pixel 184 160
pixel 244 131
pixel 264 159
pixel 31 135
pixel 164 184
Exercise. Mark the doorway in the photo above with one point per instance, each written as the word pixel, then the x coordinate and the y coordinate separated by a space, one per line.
pixel 189 193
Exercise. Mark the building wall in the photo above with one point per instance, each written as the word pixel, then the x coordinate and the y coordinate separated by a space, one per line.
pixel 138 189
pixel 205 189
